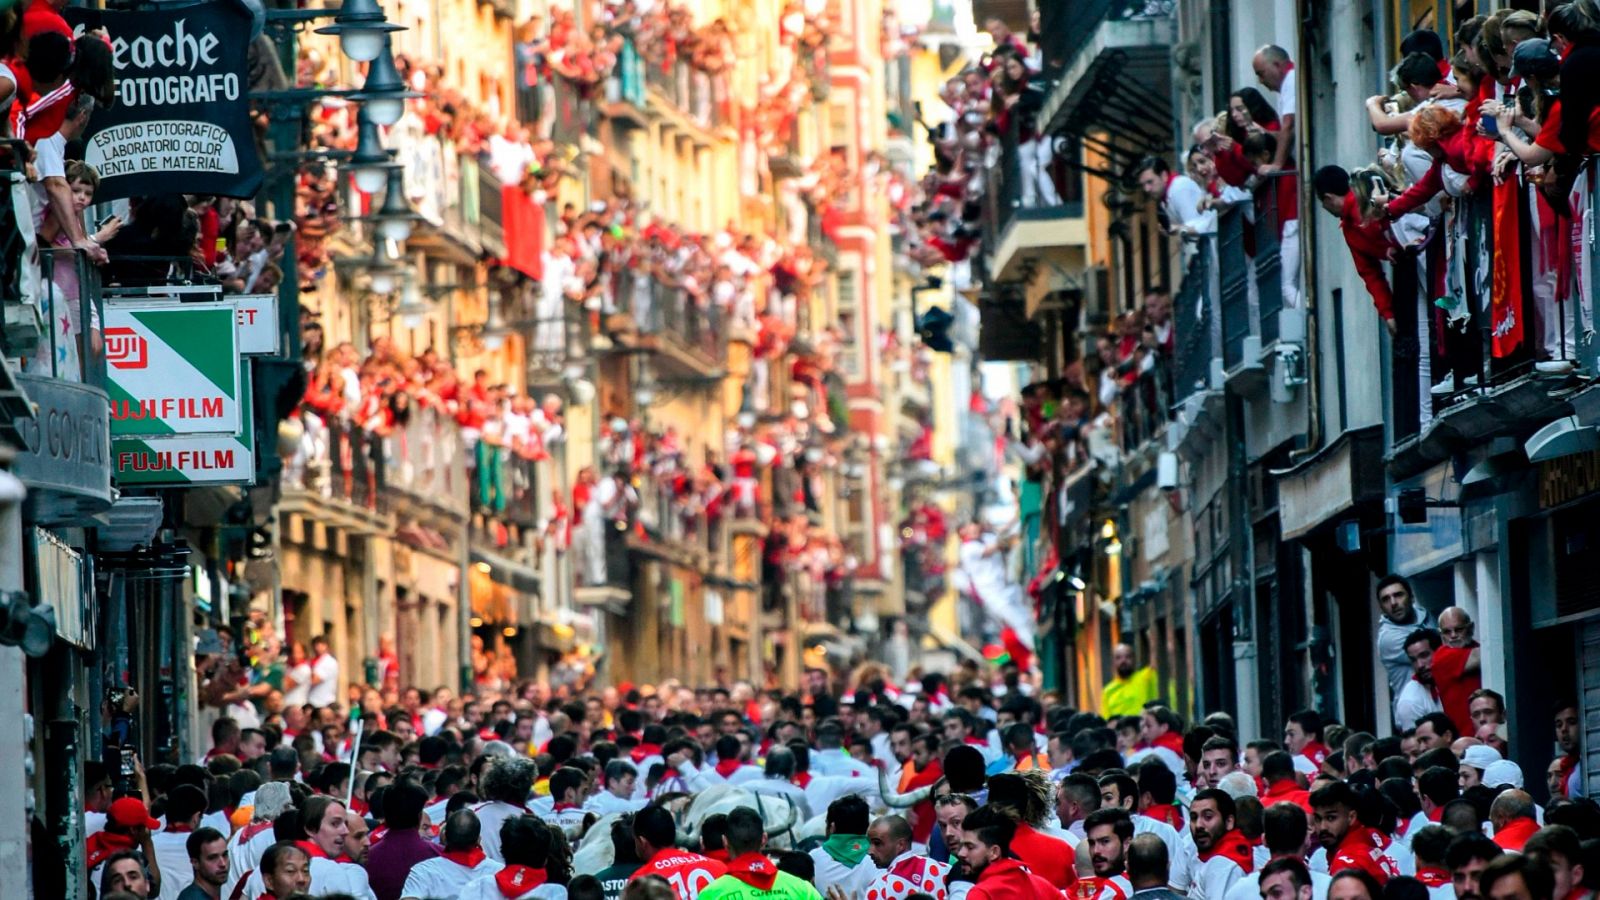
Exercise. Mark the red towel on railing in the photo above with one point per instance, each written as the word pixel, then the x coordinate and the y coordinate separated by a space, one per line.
pixel 1505 287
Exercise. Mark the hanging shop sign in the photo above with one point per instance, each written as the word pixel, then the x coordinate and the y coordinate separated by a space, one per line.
pixel 189 460
pixel 258 324
pixel 173 369
pixel 182 114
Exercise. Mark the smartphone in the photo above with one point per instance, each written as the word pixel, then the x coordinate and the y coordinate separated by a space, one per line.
pixel 1491 126
pixel 106 221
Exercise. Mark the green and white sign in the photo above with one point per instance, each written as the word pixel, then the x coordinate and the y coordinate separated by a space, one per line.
pixel 173 369
pixel 186 461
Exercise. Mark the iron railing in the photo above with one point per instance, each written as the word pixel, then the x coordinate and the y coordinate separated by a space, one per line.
pixel 1195 320
pixel 1066 26
pixel 72 347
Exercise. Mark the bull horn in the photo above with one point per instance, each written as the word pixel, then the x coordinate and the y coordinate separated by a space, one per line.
pixel 787 825
pixel 897 800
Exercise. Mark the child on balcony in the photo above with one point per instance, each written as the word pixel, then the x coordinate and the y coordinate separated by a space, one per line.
pixel 59 355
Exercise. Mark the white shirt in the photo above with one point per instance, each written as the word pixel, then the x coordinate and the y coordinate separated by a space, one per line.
pixel 484 888
pixel 325 692
pixel 1249 887
pixel 301 676
pixel 491 816
pixel 831 872
pixel 1214 878
pixel 1181 858
pixel 93 823
pixel 440 877
pixel 327 877
pixel 1286 95
pixel 433 719
pixel 1414 702
pixel 605 803
pixel 244 852
pixel 1182 203
pixel 50 158
pixel 172 853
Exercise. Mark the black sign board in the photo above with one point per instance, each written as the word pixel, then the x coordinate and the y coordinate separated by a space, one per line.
pixel 182 117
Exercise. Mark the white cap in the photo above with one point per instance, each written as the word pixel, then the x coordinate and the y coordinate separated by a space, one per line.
pixel 1503 772
pixel 1481 756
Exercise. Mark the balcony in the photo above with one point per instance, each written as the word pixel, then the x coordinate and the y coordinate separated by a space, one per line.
pixel 470 217
pixel 1444 404
pixel 688 339
pixel 1144 405
pixel 1109 64
pixel 1250 282
pixel 689 97
pixel 1036 212
pixel 57 404
pixel 626 95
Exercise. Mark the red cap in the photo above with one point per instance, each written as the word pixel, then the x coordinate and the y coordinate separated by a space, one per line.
pixel 130 812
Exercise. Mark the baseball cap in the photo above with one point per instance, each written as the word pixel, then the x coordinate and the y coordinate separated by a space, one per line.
pixel 1503 772
pixel 1535 57
pixel 130 812
pixel 1481 757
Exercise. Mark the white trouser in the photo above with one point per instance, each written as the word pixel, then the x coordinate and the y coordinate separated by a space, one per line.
pixel 1289 263
pixel 1033 161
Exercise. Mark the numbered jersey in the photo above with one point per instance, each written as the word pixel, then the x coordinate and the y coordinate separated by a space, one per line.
pixel 688 873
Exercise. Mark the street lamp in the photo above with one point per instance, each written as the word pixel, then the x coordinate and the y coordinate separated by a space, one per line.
pixel 495 331
pixel 393 220
pixel 383 96
pixel 385 267
pixel 361 28
pixel 412 308
pixel 369 163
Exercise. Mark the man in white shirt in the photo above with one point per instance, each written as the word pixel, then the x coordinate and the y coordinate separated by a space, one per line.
pixel 1420 696
pixel 246 846
pixel 54 194
pixel 327 829
pixel 619 795
pixel 1275 71
pixel 1179 196
pixel 462 861
pixel 505 786
pixel 185 805
pixel 983 562
pixel 1285 836
pixel 843 860
pixel 324 674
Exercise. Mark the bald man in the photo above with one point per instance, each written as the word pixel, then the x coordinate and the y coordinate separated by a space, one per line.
pixel 1457 668
pixel 906 872
pixel 1512 815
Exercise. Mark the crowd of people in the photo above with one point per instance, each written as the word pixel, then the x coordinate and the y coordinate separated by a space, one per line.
pixel 972 785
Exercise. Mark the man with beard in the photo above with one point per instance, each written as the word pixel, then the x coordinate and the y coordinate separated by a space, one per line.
pixel 1418 696
pixel 1350 844
pixel 1401 617
pixel 1569 775
pixel 1219 757
pixel 1108 833
pixel 904 870
pixel 1224 854
pixel 1131 688
pixel 985 849
pixel 1469 854
pixel 208 856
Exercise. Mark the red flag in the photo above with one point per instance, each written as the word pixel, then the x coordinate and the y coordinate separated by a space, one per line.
pixel 1505 284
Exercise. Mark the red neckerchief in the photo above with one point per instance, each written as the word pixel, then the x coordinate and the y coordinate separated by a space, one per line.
pixel 1172 741
pixel 102 845
pixel 312 849
pixel 1436 814
pixel 910 868
pixel 1165 812
pixel 565 806
pixel 1167 188
pixel 514 881
pixel 1316 751
pixel 1400 828
pixel 1433 877
pixel 377 835
pixel 720 855
pixel 1568 764
pixel 253 829
pixel 644 752
pixel 175 828
pixel 726 767
pixel 755 870
pixel 1516 834
pixel 466 858
pixel 1233 845
pixel 972 741
pixel 801 779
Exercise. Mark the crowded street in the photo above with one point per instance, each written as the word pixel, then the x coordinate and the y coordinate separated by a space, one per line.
pixel 799 449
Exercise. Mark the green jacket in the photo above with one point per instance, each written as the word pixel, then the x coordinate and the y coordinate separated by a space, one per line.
pixel 785 887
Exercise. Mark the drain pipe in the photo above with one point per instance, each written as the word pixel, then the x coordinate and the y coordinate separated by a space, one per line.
pixel 1309 225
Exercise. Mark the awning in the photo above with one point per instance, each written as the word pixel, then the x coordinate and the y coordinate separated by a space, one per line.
pixel 1345 472
pixel 1115 89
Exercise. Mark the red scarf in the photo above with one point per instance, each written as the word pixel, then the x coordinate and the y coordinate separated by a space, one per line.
pixel 312 849
pixel 565 806
pixel 1515 834
pixel 726 767
pixel 102 845
pixel 1233 845
pixel 252 830
pixel 175 828
pixel 1316 751
pixel 755 870
pixel 801 779
pixel 514 881
pixel 465 858
pixel 1568 764
pixel 644 752
pixel 1165 812
pixel 1433 877
pixel 1172 741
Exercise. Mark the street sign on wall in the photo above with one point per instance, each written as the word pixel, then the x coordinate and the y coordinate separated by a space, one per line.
pixel 173 369
pixel 258 324
pixel 191 460
pixel 182 116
